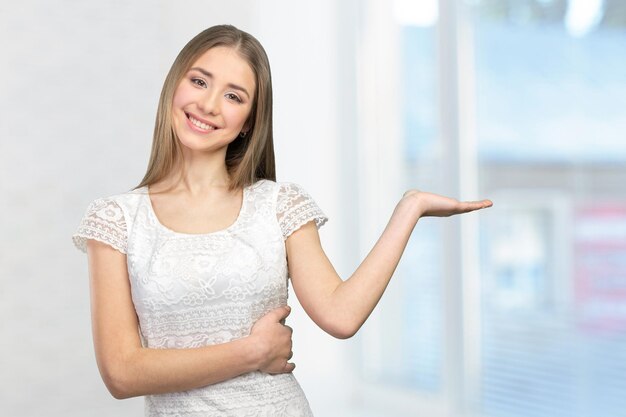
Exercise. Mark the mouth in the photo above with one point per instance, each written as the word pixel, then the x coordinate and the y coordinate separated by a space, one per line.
pixel 200 125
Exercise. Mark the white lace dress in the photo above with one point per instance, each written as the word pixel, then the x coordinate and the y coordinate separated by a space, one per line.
pixel 193 290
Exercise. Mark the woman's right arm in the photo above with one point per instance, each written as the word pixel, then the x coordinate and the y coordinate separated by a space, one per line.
pixel 130 370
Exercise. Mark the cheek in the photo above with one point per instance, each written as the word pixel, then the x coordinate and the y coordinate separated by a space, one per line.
pixel 182 95
pixel 236 115
pixel 178 99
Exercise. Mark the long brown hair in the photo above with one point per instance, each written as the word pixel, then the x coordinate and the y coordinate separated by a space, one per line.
pixel 248 158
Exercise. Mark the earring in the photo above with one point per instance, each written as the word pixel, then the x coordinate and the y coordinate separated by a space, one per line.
pixel 242 134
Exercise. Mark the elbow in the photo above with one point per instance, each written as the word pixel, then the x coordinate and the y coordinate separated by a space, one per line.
pixel 342 331
pixel 342 335
pixel 117 385
pixel 116 380
pixel 119 393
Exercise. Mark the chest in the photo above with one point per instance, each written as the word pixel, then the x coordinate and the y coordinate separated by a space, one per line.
pixel 196 217
pixel 170 271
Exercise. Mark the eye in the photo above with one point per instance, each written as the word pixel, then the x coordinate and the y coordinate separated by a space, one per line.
pixel 233 96
pixel 199 82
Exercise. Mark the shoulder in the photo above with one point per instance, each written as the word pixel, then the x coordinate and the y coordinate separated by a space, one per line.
pixel 126 201
pixel 295 207
pixel 281 191
pixel 263 185
pixel 115 208
pixel 291 192
pixel 129 196
pixel 106 219
pixel 287 188
pixel 283 187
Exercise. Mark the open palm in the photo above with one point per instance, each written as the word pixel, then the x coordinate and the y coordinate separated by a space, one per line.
pixel 440 206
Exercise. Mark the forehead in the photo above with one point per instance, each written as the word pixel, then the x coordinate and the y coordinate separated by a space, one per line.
pixel 227 66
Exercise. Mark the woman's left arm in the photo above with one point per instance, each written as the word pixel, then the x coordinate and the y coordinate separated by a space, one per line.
pixel 341 307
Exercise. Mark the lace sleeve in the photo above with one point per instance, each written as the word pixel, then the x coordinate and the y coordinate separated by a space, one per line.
pixel 103 221
pixel 295 207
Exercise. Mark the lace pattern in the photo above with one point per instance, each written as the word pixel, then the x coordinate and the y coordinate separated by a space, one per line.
pixel 251 395
pixel 295 207
pixel 103 221
pixel 192 290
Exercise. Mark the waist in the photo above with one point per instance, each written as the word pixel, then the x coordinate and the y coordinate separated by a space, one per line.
pixel 254 393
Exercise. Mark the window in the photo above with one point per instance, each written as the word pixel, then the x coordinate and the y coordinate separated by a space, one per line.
pixel 520 311
pixel 551 86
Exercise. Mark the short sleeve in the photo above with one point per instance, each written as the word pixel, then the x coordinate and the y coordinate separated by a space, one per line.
pixel 295 207
pixel 103 221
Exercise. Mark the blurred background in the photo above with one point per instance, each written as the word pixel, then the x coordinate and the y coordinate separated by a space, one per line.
pixel 517 311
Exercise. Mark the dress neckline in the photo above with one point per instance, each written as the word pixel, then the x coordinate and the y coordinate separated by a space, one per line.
pixel 216 232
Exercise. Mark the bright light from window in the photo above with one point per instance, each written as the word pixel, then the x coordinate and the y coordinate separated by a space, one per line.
pixel 582 16
pixel 421 13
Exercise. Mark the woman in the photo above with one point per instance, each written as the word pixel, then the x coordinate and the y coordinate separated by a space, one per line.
pixel 189 272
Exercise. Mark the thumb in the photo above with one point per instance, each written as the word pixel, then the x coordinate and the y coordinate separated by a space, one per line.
pixel 282 312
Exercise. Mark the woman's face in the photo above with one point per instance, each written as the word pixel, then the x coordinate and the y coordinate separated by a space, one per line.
pixel 213 100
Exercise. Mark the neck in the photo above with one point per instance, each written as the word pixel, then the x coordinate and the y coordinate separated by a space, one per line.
pixel 200 173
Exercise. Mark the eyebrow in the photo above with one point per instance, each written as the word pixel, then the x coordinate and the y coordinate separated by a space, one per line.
pixel 231 85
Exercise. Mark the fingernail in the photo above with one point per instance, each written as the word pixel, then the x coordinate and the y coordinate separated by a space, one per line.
pixel 288 308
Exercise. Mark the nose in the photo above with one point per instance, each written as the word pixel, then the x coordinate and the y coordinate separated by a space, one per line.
pixel 210 101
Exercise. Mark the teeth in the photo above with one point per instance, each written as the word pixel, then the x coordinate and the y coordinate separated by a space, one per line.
pixel 199 124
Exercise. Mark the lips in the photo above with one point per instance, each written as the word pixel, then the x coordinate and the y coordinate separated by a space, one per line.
pixel 199 124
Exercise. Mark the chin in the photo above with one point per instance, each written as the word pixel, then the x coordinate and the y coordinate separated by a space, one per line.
pixel 196 144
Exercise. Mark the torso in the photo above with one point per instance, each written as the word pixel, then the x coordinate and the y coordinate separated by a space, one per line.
pixel 198 289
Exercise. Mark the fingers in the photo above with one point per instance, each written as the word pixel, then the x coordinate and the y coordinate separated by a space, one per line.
pixel 277 315
pixel 281 313
pixel 289 367
pixel 275 338
pixel 475 205
pixel 282 366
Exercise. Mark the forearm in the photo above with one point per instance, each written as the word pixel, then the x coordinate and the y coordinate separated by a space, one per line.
pixel 341 307
pixel 354 299
pixel 144 371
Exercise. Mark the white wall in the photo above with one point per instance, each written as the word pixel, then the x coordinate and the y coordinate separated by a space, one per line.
pixel 79 87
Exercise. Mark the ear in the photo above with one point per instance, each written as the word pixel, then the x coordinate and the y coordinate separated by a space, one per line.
pixel 246 127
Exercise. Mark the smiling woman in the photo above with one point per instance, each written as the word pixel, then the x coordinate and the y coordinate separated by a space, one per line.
pixel 195 256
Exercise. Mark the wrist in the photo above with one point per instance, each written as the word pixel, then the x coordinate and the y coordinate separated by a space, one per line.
pixel 251 353
pixel 411 204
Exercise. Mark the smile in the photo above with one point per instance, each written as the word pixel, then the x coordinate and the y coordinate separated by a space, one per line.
pixel 199 125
